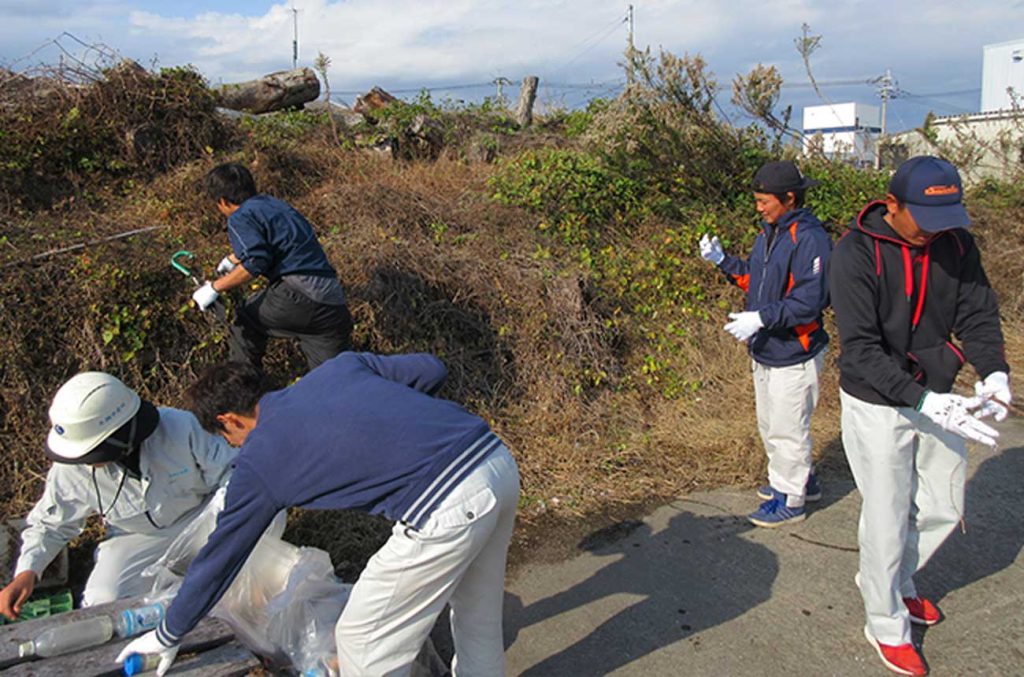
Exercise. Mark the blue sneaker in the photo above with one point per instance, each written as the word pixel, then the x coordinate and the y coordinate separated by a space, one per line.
pixel 775 513
pixel 812 492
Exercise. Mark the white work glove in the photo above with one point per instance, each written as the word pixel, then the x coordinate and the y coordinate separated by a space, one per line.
pixel 994 393
pixel 953 413
pixel 149 644
pixel 744 325
pixel 225 266
pixel 711 249
pixel 205 296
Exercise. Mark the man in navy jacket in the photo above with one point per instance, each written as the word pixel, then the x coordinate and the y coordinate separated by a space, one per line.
pixel 364 432
pixel 784 280
pixel 268 237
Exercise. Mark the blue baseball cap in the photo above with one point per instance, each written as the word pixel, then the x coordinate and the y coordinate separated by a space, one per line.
pixel 932 191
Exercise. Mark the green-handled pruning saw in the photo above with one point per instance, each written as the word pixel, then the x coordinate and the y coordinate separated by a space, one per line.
pixel 218 307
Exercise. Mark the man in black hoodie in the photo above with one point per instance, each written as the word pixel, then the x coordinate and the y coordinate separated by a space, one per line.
pixel 904 280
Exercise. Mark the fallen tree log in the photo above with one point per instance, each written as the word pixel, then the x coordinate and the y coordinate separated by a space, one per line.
pixel 276 91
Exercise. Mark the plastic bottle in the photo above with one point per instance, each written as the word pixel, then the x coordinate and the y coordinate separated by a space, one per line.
pixel 131 622
pixel 69 638
pixel 138 663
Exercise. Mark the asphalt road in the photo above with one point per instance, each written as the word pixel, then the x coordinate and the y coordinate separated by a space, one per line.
pixel 693 589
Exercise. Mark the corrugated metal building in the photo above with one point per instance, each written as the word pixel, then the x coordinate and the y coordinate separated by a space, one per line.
pixel 1002 69
pixel 983 145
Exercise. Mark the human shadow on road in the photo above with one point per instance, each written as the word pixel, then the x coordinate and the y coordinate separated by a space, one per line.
pixel 994 529
pixel 693 575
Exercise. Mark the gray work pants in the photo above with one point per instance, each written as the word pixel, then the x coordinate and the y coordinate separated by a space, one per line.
pixel 280 311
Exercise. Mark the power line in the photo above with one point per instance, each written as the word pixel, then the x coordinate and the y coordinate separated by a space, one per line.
pixel 828 83
pixel 582 85
pixel 958 92
pixel 923 100
pixel 417 90
pixel 594 41
pixel 598 93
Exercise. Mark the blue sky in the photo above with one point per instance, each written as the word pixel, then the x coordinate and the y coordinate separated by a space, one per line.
pixel 933 47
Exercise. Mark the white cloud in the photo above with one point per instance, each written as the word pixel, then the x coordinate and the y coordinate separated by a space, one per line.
pixel 931 45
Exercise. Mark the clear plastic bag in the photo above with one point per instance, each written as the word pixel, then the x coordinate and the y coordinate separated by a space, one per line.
pixel 284 603
pixel 301 619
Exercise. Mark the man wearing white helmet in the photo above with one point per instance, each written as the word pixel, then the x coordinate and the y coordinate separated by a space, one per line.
pixel 146 471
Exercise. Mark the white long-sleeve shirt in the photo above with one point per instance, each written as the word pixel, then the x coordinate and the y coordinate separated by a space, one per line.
pixel 180 465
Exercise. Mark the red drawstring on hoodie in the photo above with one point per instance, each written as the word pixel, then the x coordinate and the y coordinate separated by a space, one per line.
pixel 908 280
pixel 908 266
pixel 924 285
pixel 908 272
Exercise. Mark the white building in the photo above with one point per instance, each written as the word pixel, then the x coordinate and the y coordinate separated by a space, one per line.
pixel 846 131
pixel 982 145
pixel 1002 69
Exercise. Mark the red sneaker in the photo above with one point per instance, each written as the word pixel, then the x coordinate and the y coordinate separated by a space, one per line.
pixel 903 659
pixel 922 611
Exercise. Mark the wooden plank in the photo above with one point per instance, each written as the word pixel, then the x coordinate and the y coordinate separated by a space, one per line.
pixel 210 633
pixel 229 660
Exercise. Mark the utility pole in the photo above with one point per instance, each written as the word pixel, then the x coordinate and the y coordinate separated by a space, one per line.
pixel 887 89
pixel 295 38
pixel 630 47
pixel 500 83
pixel 630 38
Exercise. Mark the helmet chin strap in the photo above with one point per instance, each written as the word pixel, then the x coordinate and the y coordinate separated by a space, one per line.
pixel 130 443
pixel 127 446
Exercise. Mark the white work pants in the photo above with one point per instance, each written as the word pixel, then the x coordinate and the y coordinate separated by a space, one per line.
pixel 120 560
pixel 910 474
pixel 457 558
pixel 785 398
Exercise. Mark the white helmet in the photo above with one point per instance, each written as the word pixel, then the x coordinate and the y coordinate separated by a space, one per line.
pixel 85 411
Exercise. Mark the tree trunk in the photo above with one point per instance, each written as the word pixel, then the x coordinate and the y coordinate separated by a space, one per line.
pixel 276 91
pixel 527 95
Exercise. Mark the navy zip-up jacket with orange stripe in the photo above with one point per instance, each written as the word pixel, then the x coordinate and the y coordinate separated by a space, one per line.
pixel 359 432
pixel 785 282
pixel 898 308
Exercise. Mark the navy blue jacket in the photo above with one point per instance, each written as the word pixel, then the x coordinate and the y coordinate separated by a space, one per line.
pixel 362 432
pixel 272 239
pixel 786 283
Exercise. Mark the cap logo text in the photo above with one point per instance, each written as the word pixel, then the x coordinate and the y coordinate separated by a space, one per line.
pixel 942 190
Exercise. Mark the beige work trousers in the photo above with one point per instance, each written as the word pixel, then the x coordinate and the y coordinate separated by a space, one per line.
pixel 785 399
pixel 910 474
pixel 457 558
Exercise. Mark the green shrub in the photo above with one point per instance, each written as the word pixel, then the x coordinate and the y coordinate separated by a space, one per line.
pixel 843 190
pixel 576 196
pixel 665 132
pixel 282 128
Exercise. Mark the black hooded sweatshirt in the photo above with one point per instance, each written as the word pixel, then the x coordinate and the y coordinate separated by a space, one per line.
pixel 898 306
